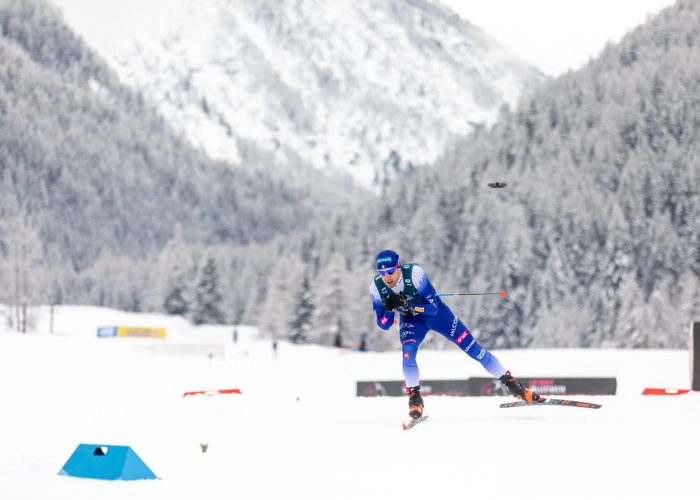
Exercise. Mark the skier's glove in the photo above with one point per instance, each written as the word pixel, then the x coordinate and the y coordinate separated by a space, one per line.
pixel 388 303
pixel 403 299
pixel 412 306
pixel 393 302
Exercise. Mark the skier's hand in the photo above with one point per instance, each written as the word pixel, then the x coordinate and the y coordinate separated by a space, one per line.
pixel 392 302
pixel 403 300
pixel 398 302
pixel 388 304
pixel 410 312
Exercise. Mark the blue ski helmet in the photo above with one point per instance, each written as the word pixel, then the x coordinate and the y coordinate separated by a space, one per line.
pixel 387 258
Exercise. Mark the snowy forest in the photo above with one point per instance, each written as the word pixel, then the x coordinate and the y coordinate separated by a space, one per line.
pixel 595 236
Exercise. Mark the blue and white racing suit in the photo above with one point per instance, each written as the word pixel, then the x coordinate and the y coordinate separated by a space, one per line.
pixel 435 315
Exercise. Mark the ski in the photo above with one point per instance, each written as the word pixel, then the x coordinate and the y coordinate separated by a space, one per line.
pixel 414 422
pixel 552 401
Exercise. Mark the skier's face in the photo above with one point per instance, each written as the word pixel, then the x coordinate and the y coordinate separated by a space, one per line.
pixel 390 279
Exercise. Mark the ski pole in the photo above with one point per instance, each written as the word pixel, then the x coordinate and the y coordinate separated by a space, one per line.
pixel 502 293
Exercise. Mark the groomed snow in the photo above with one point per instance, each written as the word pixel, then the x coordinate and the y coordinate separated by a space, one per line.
pixel 298 431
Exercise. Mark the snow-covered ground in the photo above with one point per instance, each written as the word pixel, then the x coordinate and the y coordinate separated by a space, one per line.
pixel 298 431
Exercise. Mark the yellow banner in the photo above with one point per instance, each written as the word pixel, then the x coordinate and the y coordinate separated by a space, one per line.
pixel 136 331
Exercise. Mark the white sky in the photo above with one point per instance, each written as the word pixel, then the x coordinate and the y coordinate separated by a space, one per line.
pixel 554 35
pixel 102 19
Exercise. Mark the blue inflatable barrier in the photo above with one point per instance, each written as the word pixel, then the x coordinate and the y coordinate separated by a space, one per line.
pixel 98 461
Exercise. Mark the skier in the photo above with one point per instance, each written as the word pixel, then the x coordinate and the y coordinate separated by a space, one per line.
pixel 407 290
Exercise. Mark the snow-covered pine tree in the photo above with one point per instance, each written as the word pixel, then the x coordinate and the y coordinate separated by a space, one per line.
pixel 303 313
pixel 276 312
pixel 176 301
pixel 330 297
pixel 175 269
pixel 20 261
pixel 208 300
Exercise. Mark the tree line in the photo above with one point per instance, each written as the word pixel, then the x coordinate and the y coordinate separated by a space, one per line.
pixel 94 183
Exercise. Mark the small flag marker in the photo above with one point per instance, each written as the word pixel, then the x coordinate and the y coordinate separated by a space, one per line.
pixel 213 392
pixel 654 391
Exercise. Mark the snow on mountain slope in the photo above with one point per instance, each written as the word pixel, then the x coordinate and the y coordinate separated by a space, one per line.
pixel 369 87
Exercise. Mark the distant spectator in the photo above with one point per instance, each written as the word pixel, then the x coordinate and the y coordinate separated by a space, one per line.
pixel 235 335
pixel 362 345
pixel 274 348
pixel 338 340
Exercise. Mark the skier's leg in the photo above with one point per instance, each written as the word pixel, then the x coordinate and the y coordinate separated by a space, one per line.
pixel 412 334
pixel 451 327
pixel 487 359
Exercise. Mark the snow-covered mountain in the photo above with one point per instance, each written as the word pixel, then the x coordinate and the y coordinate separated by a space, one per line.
pixel 370 87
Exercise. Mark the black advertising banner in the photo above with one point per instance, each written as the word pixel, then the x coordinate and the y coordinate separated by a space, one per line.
pixel 548 386
pixel 482 386
pixel 381 388
pixel 427 388
pixel 695 356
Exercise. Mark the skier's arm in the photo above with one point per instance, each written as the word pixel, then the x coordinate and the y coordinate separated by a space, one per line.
pixel 425 302
pixel 384 318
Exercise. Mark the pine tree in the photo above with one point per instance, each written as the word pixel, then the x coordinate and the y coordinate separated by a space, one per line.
pixel 176 301
pixel 20 263
pixel 277 310
pixel 208 301
pixel 175 271
pixel 329 315
pixel 303 314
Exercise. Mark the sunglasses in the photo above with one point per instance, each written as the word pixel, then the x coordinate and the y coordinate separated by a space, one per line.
pixel 388 270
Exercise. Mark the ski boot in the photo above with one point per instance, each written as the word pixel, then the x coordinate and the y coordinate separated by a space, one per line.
pixel 415 402
pixel 518 390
